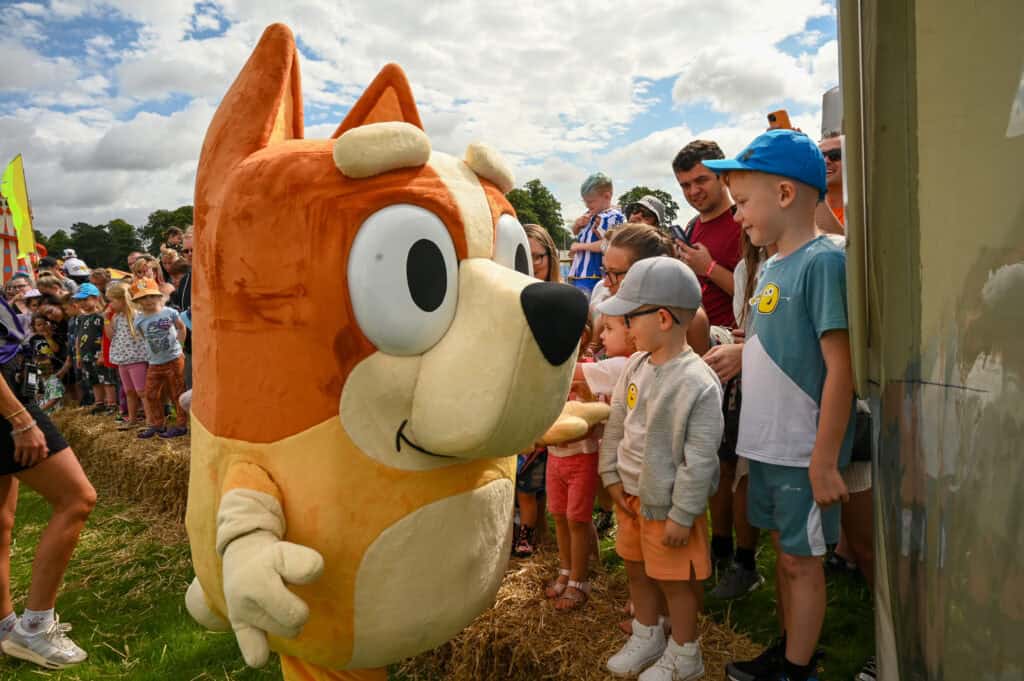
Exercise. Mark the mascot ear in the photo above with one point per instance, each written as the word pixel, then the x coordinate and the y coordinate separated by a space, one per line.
pixel 387 99
pixel 263 106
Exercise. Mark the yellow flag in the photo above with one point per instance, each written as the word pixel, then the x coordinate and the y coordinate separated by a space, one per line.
pixel 14 191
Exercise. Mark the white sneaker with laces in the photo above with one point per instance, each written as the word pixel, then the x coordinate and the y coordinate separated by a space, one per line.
pixel 642 649
pixel 51 648
pixel 677 663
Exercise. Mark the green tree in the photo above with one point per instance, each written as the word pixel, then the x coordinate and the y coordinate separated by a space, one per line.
pixel 91 243
pixel 152 233
pixel 535 203
pixel 638 192
pixel 57 242
pixel 123 240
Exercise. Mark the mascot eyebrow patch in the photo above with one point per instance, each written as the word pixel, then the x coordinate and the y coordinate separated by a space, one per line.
pixel 380 147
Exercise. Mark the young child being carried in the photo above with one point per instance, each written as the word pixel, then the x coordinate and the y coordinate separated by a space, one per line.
pixel 590 230
pixel 659 461
pixel 797 418
pixel 164 331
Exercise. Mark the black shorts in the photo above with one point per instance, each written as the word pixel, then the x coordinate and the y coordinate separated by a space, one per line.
pixel 732 398
pixel 97 374
pixel 55 442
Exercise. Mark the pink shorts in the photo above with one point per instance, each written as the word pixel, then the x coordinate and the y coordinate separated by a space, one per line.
pixel 133 376
pixel 572 486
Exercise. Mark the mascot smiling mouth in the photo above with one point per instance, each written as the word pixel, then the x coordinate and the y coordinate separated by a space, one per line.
pixel 400 438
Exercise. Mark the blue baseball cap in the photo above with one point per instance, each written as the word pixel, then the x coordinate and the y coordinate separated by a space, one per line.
pixel 86 291
pixel 781 152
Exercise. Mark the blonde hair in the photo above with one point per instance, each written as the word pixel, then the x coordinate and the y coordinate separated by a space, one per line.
pixel 117 290
pixel 541 236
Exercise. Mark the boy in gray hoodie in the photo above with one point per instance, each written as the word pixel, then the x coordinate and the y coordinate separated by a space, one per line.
pixel 659 462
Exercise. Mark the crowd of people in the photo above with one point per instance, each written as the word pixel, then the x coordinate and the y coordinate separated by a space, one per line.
pixel 75 336
pixel 722 348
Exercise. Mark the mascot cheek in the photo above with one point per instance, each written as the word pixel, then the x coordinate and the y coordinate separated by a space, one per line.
pixel 411 597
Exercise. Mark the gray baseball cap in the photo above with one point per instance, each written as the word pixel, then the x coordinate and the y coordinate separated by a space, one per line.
pixel 661 281
pixel 651 203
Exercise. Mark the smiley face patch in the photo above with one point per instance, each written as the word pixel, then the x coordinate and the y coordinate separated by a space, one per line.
pixel 768 299
pixel 631 394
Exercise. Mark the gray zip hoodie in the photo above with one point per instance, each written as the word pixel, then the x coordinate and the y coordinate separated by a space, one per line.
pixel 684 431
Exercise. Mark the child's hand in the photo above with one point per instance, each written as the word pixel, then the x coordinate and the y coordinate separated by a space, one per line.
pixel 675 534
pixel 618 495
pixel 725 360
pixel 827 484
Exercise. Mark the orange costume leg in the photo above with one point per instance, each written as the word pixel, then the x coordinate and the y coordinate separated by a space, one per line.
pixel 295 669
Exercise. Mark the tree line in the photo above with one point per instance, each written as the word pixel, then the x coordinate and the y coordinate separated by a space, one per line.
pixel 108 245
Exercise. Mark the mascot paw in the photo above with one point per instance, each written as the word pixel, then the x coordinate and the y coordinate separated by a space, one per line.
pixel 199 608
pixel 576 419
pixel 256 569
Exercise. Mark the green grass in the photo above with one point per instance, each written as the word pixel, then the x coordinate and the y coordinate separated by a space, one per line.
pixel 848 637
pixel 124 593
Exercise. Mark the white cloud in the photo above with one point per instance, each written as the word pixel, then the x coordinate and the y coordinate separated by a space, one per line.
pixel 551 87
pixel 30 8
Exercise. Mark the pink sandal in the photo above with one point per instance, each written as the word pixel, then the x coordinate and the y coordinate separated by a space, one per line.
pixel 555 587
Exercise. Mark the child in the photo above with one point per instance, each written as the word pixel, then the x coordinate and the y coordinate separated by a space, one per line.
pixel 45 353
pixel 797 417
pixel 127 351
pixel 89 350
pixel 590 229
pixel 164 331
pixel 659 461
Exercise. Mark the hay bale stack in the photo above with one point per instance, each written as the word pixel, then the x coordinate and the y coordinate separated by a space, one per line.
pixel 523 638
pixel 148 474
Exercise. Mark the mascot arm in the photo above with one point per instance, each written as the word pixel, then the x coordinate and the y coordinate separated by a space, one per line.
pixel 257 563
pixel 575 421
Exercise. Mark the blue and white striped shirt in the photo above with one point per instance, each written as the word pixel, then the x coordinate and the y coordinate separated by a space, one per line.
pixel 586 264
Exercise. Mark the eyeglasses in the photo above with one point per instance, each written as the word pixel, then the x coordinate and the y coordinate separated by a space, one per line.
pixel 834 155
pixel 538 257
pixel 612 275
pixel 629 315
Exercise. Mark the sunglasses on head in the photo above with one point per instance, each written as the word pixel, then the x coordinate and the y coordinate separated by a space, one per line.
pixel 629 315
pixel 833 154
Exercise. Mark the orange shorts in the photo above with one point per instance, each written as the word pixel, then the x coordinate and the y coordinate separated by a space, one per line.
pixel 639 539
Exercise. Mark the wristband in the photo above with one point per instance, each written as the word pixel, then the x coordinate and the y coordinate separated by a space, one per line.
pixel 24 429
pixel 711 266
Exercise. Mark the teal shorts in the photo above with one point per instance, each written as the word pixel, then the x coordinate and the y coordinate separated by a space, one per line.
pixel 779 498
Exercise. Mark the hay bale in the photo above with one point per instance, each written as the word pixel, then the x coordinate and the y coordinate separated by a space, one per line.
pixel 151 475
pixel 522 637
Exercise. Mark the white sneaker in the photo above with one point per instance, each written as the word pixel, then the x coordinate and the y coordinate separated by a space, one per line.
pixel 642 649
pixel 678 663
pixel 51 649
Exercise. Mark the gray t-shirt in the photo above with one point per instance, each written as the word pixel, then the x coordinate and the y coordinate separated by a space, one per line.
pixel 161 335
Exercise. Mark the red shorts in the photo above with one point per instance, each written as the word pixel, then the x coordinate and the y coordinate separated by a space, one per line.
pixel 572 486
pixel 639 540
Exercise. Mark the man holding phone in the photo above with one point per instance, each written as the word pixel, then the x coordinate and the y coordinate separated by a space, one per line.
pixel 710 244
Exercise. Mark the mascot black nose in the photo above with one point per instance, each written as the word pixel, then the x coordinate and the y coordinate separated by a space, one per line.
pixel 556 314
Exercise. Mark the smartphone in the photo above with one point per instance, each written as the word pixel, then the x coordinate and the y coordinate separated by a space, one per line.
pixel 679 235
pixel 779 119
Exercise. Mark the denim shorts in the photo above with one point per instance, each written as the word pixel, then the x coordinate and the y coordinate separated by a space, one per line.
pixel 531 479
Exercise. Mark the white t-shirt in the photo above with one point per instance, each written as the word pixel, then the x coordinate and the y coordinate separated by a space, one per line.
pixel 602 376
pixel 634 427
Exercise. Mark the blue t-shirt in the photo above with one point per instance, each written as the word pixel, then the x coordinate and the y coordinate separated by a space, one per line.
pixel 161 335
pixel 798 299
pixel 586 264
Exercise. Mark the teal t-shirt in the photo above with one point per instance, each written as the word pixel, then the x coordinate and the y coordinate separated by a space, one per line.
pixel 798 298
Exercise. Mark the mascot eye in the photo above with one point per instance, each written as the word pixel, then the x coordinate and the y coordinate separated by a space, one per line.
pixel 402 278
pixel 511 248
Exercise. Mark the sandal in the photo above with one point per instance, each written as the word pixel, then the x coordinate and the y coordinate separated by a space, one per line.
pixel 574 596
pixel 555 587
pixel 524 545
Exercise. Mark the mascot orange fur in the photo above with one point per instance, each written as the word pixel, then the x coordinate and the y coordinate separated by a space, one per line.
pixel 368 349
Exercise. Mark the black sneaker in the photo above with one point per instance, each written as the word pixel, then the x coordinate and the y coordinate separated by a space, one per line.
pixel 869 671
pixel 603 521
pixel 767 665
pixel 524 544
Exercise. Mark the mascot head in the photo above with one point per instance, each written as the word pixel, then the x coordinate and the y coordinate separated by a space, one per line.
pixel 367 333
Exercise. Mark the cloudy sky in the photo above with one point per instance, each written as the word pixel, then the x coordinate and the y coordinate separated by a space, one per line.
pixel 108 101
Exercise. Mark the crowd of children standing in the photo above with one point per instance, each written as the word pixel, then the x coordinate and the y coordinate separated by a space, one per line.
pixel 723 350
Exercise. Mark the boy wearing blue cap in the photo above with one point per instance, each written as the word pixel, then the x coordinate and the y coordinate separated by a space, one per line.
pixel 89 350
pixel 796 421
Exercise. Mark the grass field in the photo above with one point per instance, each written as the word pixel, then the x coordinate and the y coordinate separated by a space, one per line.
pixel 124 595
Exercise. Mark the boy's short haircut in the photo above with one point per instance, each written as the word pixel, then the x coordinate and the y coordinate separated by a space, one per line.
pixel 696 152
pixel 684 315
pixel 598 182
pixel 173 231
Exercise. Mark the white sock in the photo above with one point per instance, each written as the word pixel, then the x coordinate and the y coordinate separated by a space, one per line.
pixel 35 621
pixel 7 623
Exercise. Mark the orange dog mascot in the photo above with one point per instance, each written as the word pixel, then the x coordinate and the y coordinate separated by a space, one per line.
pixel 369 349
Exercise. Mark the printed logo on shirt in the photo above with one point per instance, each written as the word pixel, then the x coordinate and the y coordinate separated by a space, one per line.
pixel 631 394
pixel 768 299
